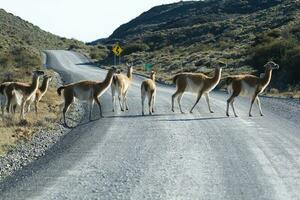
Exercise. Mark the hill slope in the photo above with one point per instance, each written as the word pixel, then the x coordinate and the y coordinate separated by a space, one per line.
pixel 19 38
pixel 21 44
pixel 190 35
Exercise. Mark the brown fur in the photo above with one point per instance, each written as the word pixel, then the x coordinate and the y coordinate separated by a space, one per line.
pixel 254 83
pixel 148 88
pixel 186 81
pixel 87 91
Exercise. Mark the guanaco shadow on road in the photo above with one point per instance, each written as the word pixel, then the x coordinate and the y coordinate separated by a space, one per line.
pixel 138 116
pixel 88 63
pixel 83 122
pixel 192 119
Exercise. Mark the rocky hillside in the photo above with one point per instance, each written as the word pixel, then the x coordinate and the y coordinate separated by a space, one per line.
pixel 192 35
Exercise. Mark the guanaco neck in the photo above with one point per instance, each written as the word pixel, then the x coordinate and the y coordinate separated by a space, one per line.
pixel 152 77
pixel 217 76
pixel 129 73
pixel 34 85
pixel 44 85
pixel 108 79
pixel 267 77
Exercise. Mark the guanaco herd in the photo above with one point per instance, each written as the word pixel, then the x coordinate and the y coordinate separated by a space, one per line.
pixel 14 94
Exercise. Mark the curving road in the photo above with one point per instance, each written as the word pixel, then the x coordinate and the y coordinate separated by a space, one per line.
pixel 167 156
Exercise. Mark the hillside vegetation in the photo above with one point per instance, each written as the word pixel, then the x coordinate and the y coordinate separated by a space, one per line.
pixel 190 36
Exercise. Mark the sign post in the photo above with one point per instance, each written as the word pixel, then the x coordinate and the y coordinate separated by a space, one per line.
pixel 117 50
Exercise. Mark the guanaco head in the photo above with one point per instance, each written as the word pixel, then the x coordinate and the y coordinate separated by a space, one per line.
pixel 271 65
pixel 38 73
pixel 152 75
pixel 47 78
pixel 112 70
pixel 130 67
pixel 221 65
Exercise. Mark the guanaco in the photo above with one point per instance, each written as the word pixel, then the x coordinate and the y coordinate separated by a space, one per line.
pixel 121 83
pixel 41 91
pixel 197 83
pixel 89 91
pixel 249 86
pixel 20 93
pixel 148 88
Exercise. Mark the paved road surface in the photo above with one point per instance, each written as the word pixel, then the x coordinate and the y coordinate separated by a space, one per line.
pixel 167 156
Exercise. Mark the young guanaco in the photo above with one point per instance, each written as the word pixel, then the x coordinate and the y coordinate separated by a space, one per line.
pixel 148 89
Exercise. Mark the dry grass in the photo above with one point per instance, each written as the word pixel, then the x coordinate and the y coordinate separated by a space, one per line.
pixel 13 130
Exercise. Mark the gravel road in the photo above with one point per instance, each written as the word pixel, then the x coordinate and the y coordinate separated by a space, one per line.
pixel 168 155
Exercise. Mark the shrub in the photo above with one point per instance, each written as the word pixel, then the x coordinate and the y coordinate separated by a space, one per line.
pixel 135 47
pixel 24 57
pixel 285 52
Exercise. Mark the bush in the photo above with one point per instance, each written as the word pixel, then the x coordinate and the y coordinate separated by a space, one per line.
pixel 135 47
pixel 285 52
pixel 98 52
pixel 24 57
pixel 20 57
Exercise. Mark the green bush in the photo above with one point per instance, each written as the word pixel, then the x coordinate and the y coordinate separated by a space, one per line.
pixel 98 52
pixel 19 56
pixel 285 52
pixel 135 47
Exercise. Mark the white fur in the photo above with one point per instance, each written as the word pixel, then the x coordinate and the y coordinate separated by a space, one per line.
pixel 192 87
pixel 247 90
pixel 83 95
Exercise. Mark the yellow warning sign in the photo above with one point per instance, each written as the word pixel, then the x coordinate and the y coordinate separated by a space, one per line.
pixel 117 50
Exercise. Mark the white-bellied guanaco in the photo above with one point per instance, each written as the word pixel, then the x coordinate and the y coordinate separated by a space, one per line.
pixel 197 83
pixel 89 91
pixel 249 86
pixel 20 93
